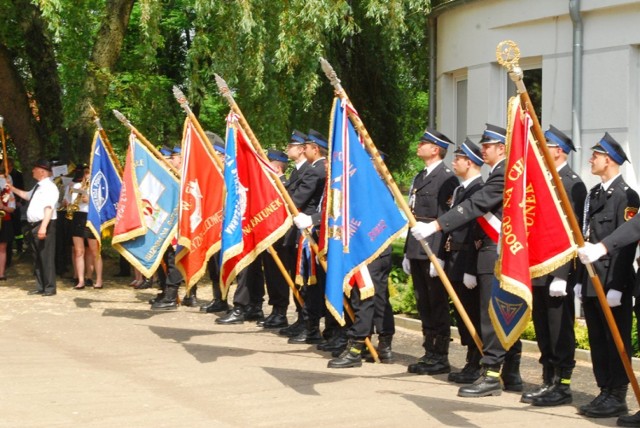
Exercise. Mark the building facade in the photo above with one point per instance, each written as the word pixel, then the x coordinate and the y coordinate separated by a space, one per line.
pixel 587 50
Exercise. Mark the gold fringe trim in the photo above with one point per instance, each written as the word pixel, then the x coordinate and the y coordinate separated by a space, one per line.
pixel 338 317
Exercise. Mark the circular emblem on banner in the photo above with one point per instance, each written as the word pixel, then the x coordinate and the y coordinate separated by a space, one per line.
pixel 99 190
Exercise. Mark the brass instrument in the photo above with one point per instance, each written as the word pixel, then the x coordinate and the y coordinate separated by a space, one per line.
pixel 74 206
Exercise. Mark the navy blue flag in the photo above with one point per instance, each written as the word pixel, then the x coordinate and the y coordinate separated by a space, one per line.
pixel 361 216
pixel 104 189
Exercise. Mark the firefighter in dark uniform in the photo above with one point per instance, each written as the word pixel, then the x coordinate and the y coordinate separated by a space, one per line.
pixel 485 202
pixel 308 199
pixel 462 257
pixel 625 235
pixel 609 205
pixel 429 197
pixel 553 299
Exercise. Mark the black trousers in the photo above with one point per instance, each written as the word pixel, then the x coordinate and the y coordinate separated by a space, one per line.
pixel 250 289
pixel 44 251
pixel 277 286
pixel 553 319
pixel 375 313
pixel 494 352
pixel 213 265
pixel 314 306
pixel 470 300
pixel 432 300
pixel 169 275
pixel 607 365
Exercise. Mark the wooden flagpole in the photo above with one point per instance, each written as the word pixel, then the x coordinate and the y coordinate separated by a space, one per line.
pixel 121 117
pixel 184 103
pixel 399 197
pixel 105 140
pixel 508 55
pixel 5 158
pixel 226 93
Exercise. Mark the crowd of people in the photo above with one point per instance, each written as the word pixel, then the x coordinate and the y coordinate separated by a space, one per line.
pixel 458 214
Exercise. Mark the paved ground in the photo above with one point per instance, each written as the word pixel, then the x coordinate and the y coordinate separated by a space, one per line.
pixel 101 358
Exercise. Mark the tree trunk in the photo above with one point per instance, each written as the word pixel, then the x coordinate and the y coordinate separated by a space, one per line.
pixel 104 57
pixel 19 121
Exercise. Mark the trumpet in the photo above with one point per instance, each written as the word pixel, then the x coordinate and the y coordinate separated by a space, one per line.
pixel 74 206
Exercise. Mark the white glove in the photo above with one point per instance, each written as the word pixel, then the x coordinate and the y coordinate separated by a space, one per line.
pixel 302 221
pixel 558 287
pixel 406 266
pixel 432 269
pixel 614 298
pixel 469 281
pixel 577 290
pixel 591 252
pixel 423 230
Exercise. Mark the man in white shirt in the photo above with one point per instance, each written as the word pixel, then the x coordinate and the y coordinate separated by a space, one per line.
pixel 41 216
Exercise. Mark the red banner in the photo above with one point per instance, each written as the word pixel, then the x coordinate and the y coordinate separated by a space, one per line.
pixel 201 196
pixel 129 222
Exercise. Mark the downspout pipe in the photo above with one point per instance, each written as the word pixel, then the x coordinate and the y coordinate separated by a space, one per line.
pixel 432 22
pixel 576 98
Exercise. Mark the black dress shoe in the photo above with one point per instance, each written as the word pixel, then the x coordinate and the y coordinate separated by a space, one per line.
pixel 557 395
pixel 235 316
pixel 218 306
pixel 261 322
pixel 32 292
pixel 611 406
pixel 48 293
pixel 488 384
pixel 293 329
pixel 466 376
pixel 307 337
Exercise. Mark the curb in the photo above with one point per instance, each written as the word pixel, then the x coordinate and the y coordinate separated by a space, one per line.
pixel 527 345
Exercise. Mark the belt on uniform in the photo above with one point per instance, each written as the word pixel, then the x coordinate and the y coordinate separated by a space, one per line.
pixel 425 218
pixel 455 246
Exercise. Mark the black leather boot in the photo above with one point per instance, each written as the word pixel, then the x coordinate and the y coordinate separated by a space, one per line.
pixel 440 360
pixel 615 404
pixel 510 375
pixel 548 377
pixel 310 334
pixel 489 383
pixel 471 371
pixel 190 298
pixel 629 420
pixel 216 305
pixel 604 393
pixel 338 342
pixel 293 329
pixel 428 344
pixel 158 297
pixel 385 353
pixel 254 312
pixel 350 357
pixel 277 318
pixel 234 316
pixel 559 393
pixel 170 300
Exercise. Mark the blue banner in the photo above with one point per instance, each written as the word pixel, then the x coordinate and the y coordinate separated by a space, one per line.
pixel 104 189
pixel 362 218
pixel 157 194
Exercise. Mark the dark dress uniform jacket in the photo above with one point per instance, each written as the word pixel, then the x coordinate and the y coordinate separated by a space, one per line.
pixel 486 199
pixel 606 213
pixel 294 186
pixel 432 196
pixel 462 251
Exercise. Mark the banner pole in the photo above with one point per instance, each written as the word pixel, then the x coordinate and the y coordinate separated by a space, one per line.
pixel 105 140
pixel 508 55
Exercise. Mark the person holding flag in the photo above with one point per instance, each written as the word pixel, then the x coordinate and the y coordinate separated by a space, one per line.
pixel 609 205
pixel 430 197
pixel 553 299
pixel 461 256
pixel 485 207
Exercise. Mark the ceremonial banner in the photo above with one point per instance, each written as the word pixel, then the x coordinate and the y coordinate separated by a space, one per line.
pixel 147 215
pixel 104 189
pixel 201 194
pixel 535 236
pixel 362 218
pixel 255 214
